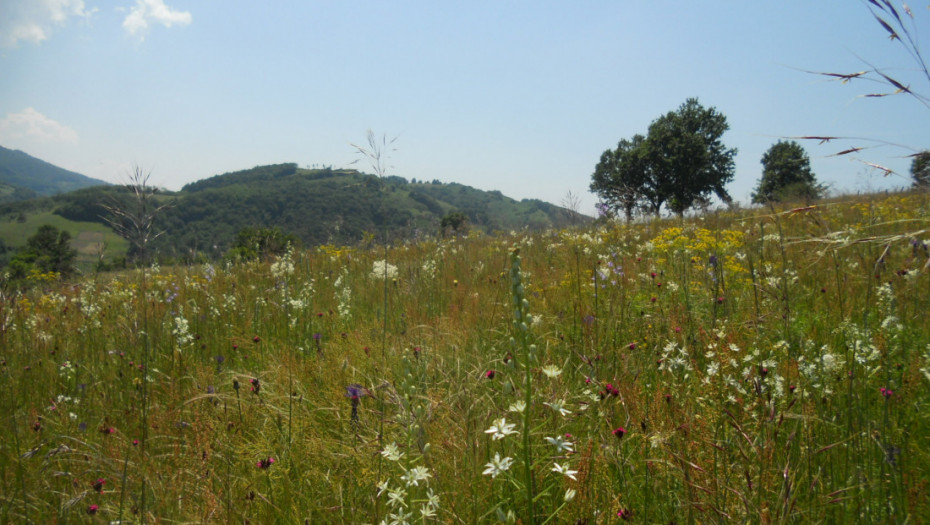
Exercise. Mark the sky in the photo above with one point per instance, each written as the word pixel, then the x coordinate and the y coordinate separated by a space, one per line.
pixel 516 96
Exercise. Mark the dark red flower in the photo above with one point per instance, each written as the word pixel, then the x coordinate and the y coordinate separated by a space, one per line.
pixel 625 514
pixel 98 485
pixel 490 374
pixel 265 463
pixel 92 509
pixel 619 432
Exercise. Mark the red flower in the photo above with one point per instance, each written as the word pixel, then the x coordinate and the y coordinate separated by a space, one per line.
pixel 625 514
pixel 265 463
pixel 619 432
pixel 92 509
pixel 490 374
pixel 98 485
pixel 256 339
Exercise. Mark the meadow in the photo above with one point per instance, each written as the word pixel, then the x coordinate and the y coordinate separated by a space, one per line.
pixel 769 365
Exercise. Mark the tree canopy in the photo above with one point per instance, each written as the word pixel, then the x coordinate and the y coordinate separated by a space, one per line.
pixel 786 174
pixel 920 169
pixel 679 163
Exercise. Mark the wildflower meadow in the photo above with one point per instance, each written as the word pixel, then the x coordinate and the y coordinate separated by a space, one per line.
pixel 769 365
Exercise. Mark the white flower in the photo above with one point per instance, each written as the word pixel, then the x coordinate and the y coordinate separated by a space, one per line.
pixel 391 452
pixel 560 444
pixel 569 495
pixel 517 407
pixel 501 429
pixel 415 475
pixel 382 486
pixel 559 406
pixel 551 371
pixel 396 497
pixel 497 465
pixel 563 469
pixel 383 269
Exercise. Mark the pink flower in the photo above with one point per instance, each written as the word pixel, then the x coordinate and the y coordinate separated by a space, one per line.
pixel 490 374
pixel 265 463
pixel 619 432
pixel 92 509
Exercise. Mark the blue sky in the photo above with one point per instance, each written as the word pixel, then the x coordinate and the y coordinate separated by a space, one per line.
pixel 521 97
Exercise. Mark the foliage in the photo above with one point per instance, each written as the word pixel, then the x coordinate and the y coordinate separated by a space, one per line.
pixel 455 222
pixel 786 175
pixel 621 176
pixel 920 169
pixel 48 252
pixel 679 164
pixel 262 243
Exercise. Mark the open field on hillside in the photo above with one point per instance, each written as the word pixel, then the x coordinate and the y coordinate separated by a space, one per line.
pixel 762 366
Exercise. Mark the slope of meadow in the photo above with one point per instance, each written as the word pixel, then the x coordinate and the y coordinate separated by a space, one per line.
pixel 760 366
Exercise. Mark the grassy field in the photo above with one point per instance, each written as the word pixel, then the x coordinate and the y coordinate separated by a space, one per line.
pixel 761 366
pixel 91 240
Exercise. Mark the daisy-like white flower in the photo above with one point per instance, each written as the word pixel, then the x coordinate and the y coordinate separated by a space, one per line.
pixel 563 469
pixel 501 429
pixel 551 371
pixel 517 407
pixel 497 465
pixel 416 475
pixel 397 497
pixel 559 406
pixel 382 486
pixel 560 444
pixel 391 452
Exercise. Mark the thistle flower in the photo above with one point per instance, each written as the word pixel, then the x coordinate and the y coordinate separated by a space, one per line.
pixel 551 371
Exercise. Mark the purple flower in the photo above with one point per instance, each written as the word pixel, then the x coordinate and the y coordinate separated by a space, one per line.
pixel 355 391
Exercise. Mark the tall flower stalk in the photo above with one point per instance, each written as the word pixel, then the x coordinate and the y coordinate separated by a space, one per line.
pixel 526 352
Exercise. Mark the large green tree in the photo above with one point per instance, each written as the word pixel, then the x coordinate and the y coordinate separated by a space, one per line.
pixel 682 161
pixel 786 174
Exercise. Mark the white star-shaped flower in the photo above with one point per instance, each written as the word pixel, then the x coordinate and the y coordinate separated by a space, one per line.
pixel 501 429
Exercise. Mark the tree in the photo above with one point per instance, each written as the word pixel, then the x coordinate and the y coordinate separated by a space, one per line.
pixel 681 162
pixel 47 251
pixel 253 243
pixel 920 169
pixel 455 221
pixel 786 174
pixel 620 176
pixel 687 158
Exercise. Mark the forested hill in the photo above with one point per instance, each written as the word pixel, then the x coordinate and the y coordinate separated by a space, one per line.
pixel 23 176
pixel 319 206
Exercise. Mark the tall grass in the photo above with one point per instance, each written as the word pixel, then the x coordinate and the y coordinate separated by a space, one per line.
pixel 770 365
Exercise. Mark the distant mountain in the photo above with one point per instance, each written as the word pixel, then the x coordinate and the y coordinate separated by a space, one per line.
pixel 319 206
pixel 20 172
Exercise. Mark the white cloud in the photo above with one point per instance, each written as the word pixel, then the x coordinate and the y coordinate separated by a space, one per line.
pixel 29 124
pixel 33 20
pixel 137 21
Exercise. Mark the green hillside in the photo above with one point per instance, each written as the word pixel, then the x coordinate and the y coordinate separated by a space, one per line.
pixel 319 206
pixel 23 176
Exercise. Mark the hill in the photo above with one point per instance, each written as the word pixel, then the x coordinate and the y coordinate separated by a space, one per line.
pixel 319 206
pixel 23 176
